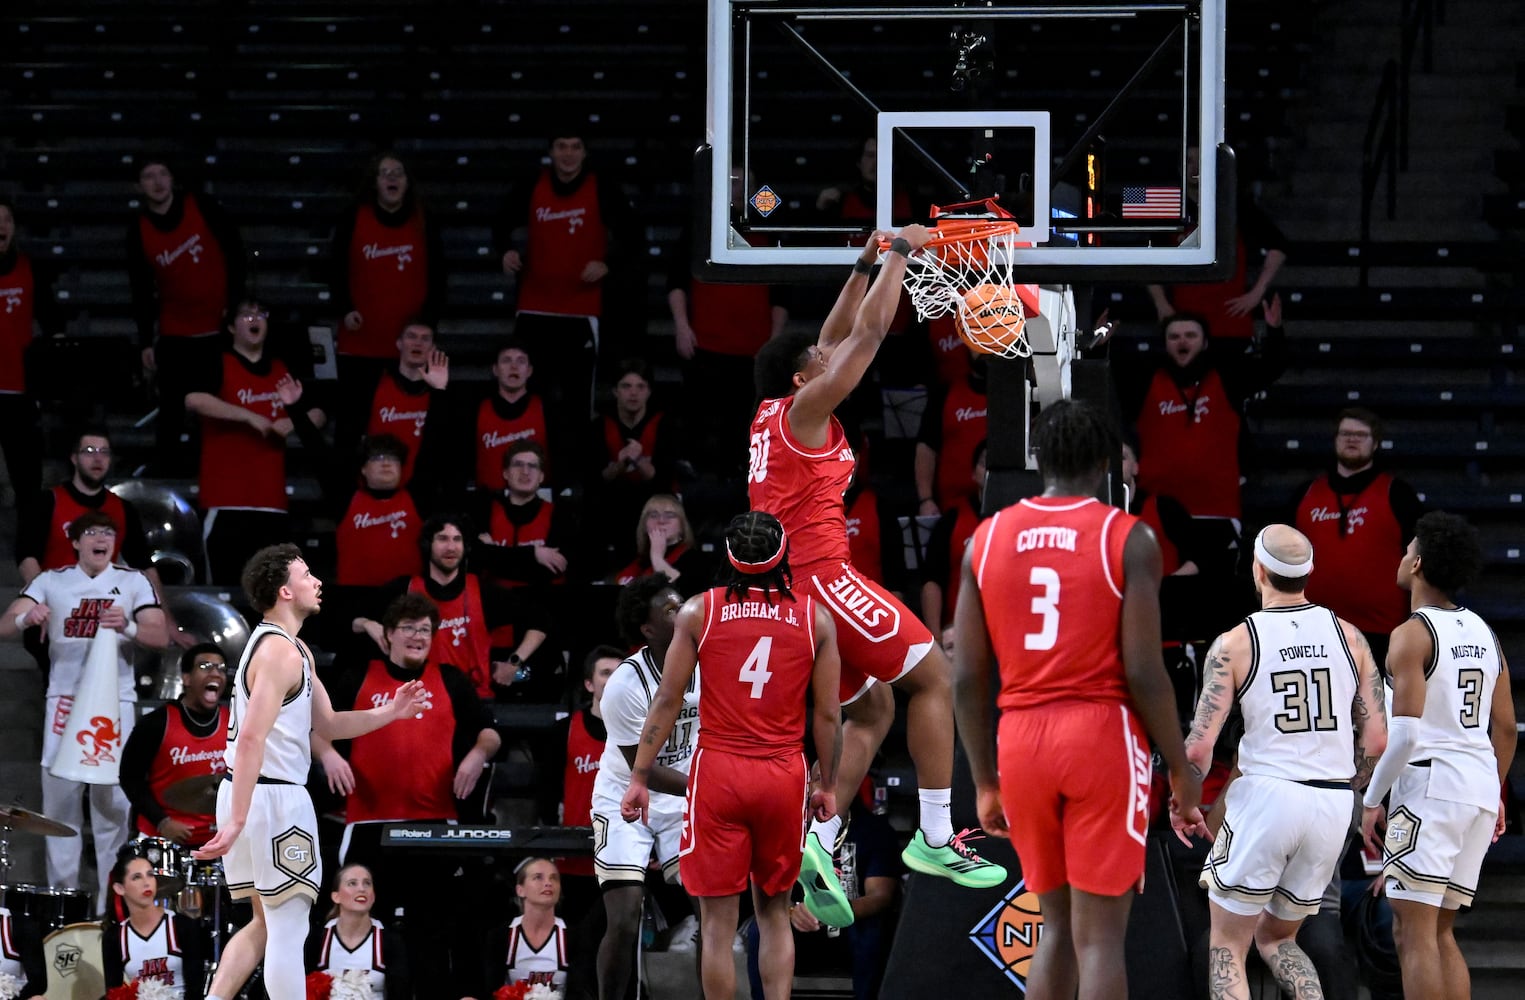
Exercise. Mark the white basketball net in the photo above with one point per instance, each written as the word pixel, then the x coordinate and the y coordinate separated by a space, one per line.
pixel 938 277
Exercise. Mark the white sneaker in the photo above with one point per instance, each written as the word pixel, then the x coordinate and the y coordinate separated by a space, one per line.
pixel 685 936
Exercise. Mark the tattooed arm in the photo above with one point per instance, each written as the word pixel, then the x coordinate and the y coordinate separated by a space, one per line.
pixel 1368 711
pixel 677 669
pixel 1228 659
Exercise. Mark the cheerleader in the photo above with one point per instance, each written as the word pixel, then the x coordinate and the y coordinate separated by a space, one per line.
pixel 21 956
pixel 149 942
pixel 352 941
pixel 533 948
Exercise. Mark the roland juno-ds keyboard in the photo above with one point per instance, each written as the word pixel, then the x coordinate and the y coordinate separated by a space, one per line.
pixel 555 840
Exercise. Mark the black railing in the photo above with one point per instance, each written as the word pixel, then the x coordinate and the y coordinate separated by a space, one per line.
pixel 1385 150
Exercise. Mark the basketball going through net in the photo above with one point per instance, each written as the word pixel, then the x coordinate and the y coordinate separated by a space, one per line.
pixel 965 271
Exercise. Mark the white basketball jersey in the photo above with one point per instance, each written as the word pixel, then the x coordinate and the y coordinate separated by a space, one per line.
pixel 76 600
pixel 627 699
pixel 1297 697
pixel 1458 699
pixel 288 750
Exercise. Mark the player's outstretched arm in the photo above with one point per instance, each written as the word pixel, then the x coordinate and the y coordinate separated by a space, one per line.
pixel 274 672
pixel 839 322
pixel 1368 710
pixel 826 718
pixel 1408 651
pixel 1144 667
pixel 333 725
pixel 972 708
pixel 677 670
pixel 815 401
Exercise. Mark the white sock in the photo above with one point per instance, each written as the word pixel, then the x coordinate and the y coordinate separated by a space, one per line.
pixel 936 815
pixel 827 831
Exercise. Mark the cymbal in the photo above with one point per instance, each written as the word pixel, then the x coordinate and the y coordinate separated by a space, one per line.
pixel 26 821
pixel 196 795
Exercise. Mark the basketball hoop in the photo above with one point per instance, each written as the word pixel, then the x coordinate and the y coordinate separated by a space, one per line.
pixel 965 271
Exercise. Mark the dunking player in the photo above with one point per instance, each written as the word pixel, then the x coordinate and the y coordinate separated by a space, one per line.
pixel 1446 755
pixel 748 789
pixel 801 465
pixel 265 821
pixel 1314 723
pixel 1064 592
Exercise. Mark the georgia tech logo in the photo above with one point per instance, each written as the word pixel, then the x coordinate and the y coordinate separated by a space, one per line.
pixel 1009 934
pixel 295 854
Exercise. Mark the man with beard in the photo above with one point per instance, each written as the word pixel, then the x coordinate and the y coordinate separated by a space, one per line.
pixel 469 612
pixel 184 739
pixel 74 605
pixel 1188 408
pixel 185 261
pixel 42 527
pixel 248 403
pixel 417 770
pixel 1360 519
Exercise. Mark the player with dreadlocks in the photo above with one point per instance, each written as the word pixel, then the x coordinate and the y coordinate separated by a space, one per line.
pixel 748 788
pixel 1043 580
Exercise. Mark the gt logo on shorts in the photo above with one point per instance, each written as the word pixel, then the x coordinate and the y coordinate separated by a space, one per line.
pixel 294 853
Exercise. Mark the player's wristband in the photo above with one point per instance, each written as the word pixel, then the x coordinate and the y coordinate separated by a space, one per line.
pixel 861 266
pixel 131 631
pixel 902 246
pixel 21 621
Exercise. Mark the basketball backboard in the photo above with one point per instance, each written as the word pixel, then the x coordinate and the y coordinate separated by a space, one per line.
pixel 829 120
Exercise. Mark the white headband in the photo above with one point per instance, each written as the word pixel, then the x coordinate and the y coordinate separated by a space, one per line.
pixel 1274 564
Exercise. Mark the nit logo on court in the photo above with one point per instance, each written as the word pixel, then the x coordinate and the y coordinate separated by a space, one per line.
pixel 1008 935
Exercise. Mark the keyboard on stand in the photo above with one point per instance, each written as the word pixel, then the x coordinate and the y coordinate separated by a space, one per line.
pixel 446 837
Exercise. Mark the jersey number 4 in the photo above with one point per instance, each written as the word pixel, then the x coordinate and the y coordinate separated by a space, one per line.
pixel 755 670
pixel 1293 685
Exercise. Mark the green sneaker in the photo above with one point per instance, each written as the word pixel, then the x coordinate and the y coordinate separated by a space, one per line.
pixel 955 860
pixel 824 897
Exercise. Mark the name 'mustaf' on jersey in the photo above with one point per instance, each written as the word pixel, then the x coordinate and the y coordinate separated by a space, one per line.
pixel 627 699
pixel 1458 697
pixel 288 752
pixel 1297 696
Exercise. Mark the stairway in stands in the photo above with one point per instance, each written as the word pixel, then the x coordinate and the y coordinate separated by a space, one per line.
pixel 1433 345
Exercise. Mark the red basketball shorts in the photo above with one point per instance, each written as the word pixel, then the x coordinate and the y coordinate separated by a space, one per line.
pixel 1075 788
pixel 744 820
pixel 879 638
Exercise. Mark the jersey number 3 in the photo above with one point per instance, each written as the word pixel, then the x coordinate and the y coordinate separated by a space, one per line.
pixel 1046 607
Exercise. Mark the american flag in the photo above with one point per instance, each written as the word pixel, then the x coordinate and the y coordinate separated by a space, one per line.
pixel 1141 202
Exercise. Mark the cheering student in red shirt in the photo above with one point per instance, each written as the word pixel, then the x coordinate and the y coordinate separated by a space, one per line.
pixel 185 263
pixel 1062 593
pixel 411 403
pixel 767 656
pixel 561 230
pixel 249 404
pixel 509 414
pixel 177 741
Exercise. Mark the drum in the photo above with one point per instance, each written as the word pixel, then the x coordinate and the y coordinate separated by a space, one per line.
pixel 73 958
pixel 45 907
pixel 167 859
pixel 203 882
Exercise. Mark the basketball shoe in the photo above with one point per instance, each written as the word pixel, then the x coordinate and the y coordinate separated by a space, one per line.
pixel 955 860
pixel 824 897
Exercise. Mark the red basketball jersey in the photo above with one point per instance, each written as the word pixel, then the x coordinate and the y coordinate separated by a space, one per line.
pixel 1359 542
pixel 802 487
pixel 404 771
pixel 758 659
pixel 1189 441
pixel 58 552
pixel 1050 575
pixel 190 273
pixel 239 466
pixel 18 294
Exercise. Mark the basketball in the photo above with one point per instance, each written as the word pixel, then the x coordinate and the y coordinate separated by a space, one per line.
pixel 992 319
pixel 1017 932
